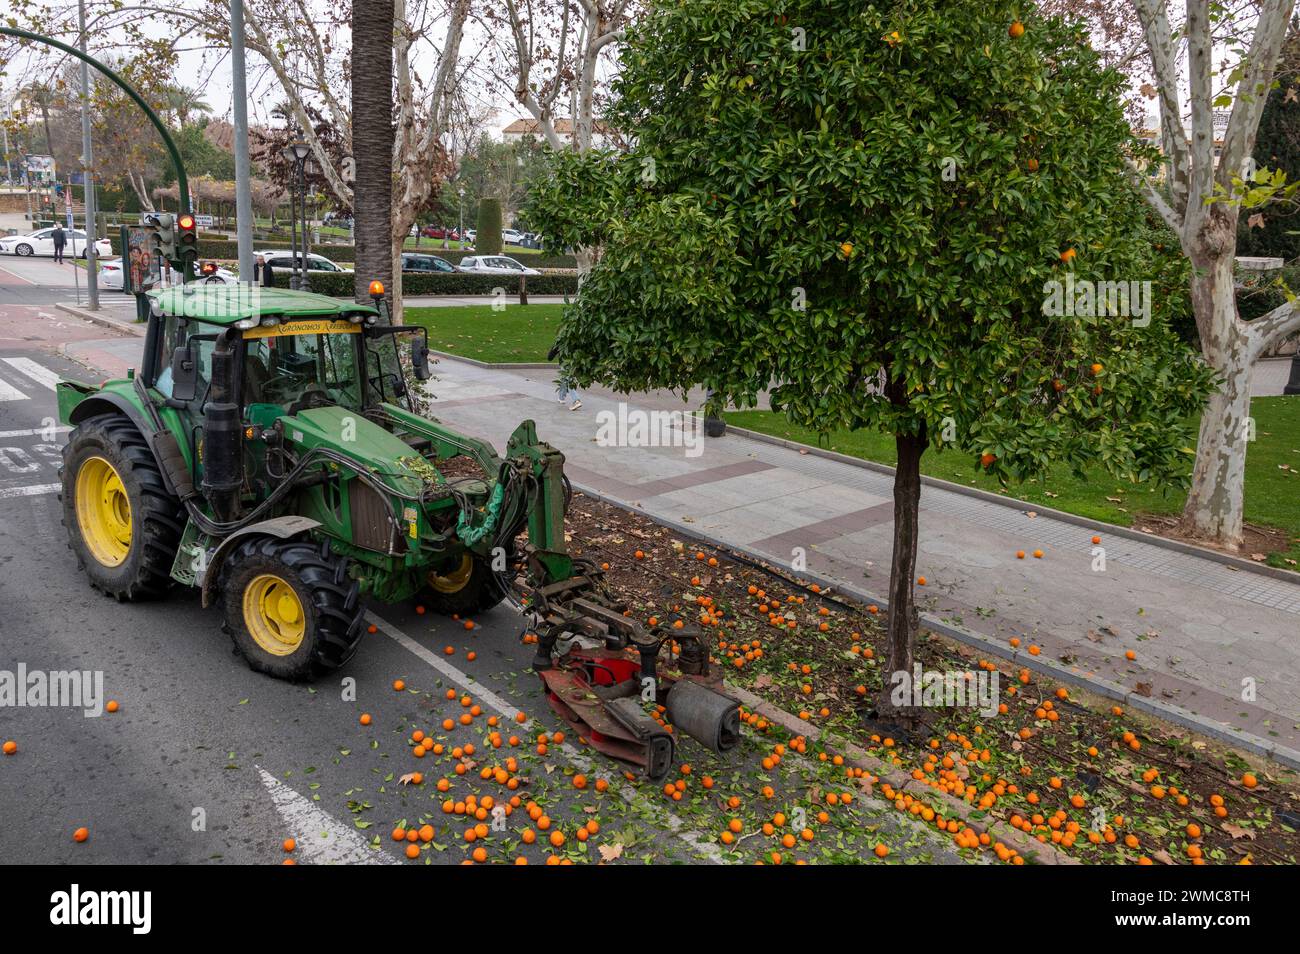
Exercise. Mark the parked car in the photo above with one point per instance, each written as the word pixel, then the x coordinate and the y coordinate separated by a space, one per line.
pixel 511 236
pixel 112 275
pixel 338 220
pixel 470 235
pixel 282 259
pixel 412 262
pixel 41 243
pixel 495 265
pixel 439 232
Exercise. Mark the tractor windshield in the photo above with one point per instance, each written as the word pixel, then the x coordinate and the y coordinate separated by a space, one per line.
pixel 302 370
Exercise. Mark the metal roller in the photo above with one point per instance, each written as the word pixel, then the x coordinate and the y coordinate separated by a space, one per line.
pixel 710 718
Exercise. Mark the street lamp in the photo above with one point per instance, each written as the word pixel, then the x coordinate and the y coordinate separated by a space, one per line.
pixel 460 233
pixel 296 155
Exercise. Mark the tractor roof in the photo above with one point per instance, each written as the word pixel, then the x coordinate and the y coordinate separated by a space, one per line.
pixel 225 304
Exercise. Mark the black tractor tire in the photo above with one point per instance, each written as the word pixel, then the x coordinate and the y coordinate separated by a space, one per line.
pixel 479 592
pixel 327 600
pixel 156 517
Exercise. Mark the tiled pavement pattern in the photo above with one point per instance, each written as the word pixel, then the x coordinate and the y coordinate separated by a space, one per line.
pixel 1199 628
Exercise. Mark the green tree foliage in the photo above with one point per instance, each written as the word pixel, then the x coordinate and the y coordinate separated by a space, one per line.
pixel 863 208
pixel 490 168
pixel 201 156
pixel 488 239
pixel 1276 232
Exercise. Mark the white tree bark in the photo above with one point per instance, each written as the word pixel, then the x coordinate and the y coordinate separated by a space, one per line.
pixel 578 40
pixel 1207 232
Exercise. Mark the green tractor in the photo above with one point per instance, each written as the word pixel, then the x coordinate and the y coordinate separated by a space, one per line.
pixel 270 453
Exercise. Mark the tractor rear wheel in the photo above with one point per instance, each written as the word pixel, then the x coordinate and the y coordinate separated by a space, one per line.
pixel 290 607
pixel 123 525
pixel 467 586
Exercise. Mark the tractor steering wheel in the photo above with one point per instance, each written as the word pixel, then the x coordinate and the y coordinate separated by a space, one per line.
pixel 314 396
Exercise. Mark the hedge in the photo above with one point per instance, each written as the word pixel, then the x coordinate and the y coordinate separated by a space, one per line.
pixel 441 283
pixel 228 250
pixel 488 236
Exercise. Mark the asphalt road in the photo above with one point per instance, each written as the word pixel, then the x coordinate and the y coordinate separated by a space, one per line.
pixel 206 761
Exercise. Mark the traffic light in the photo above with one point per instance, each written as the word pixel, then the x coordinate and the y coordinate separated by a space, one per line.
pixel 187 238
pixel 163 240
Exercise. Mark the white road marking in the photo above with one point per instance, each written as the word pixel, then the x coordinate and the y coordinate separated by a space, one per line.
pixel 698 843
pixel 10 393
pixel 321 840
pixel 35 431
pixel 32 491
pixel 38 373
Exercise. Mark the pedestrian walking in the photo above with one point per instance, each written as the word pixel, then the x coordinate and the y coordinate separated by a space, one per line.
pixel 563 389
pixel 59 238
pixel 263 273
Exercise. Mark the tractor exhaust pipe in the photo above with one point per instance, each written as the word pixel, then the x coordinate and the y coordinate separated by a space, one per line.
pixel 223 459
pixel 708 717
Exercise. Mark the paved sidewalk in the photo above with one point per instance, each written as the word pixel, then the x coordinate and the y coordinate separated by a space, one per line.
pixel 1203 632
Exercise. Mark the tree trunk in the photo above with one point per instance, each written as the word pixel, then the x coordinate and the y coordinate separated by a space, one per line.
pixel 372 144
pixel 141 191
pixel 904 621
pixel 1213 511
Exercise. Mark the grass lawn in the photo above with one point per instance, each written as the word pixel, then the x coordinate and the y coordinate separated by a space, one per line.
pixel 1272 473
pixel 518 334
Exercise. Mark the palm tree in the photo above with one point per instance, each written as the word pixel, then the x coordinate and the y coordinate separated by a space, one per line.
pixel 181 101
pixel 372 143
pixel 43 97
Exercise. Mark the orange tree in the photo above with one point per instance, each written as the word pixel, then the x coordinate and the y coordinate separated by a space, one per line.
pixel 864 209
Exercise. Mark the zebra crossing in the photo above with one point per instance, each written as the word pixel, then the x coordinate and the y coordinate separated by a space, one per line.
pixel 31 438
pixel 17 376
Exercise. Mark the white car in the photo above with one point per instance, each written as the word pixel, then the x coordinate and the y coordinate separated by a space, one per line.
pixel 111 275
pixel 41 242
pixel 495 265
pixel 281 259
pixel 512 236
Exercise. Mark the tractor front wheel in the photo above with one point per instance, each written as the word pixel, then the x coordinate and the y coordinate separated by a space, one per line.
pixel 123 525
pixel 467 585
pixel 290 607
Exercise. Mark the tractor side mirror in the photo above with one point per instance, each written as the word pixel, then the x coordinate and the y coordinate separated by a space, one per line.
pixel 420 360
pixel 185 374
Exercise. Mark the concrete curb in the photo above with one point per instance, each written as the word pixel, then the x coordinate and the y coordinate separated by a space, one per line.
pixel 1103 687
pixel 523 366
pixel 900 781
pixel 1127 533
pixel 99 318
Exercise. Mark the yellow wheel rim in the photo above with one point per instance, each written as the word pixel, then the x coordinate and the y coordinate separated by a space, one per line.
pixel 103 512
pixel 273 614
pixel 454 581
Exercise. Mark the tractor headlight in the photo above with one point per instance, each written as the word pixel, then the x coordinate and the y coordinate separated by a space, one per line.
pixel 245 323
pixel 269 321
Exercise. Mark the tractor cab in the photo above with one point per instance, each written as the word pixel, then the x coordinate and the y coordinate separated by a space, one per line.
pixel 290 350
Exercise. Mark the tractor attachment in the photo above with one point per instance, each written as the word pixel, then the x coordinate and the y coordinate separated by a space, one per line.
pixel 601 670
